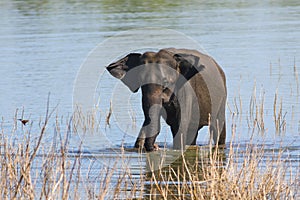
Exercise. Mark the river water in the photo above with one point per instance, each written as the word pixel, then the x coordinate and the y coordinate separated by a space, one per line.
pixel 45 44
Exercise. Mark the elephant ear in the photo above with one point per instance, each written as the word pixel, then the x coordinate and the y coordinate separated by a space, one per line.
pixel 189 65
pixel 121 67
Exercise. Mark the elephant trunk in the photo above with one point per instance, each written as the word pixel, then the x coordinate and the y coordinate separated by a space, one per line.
pixel 152 108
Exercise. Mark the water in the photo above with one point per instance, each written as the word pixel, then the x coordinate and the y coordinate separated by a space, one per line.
pixel 43 45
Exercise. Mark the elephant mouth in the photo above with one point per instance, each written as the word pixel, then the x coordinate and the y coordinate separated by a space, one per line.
pixel 168 99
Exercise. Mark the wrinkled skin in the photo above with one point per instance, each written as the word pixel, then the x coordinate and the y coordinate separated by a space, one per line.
pixel 185 87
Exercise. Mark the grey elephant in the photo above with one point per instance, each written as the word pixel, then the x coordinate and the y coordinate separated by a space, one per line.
pixel 185 87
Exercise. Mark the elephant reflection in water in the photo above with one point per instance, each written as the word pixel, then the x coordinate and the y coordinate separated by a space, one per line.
pixel 185 87
pixel 176 172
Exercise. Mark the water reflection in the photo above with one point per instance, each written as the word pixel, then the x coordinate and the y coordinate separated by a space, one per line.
pixel 178 172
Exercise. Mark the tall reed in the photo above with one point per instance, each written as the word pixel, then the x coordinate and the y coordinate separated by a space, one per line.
pixel 34 167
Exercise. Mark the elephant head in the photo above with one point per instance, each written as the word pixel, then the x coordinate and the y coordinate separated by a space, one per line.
pixel 162 69
pixel 160 75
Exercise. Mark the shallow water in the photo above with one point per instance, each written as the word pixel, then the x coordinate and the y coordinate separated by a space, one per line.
pixel 43 45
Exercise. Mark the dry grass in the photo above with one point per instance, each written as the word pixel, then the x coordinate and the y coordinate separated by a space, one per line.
pixel 279 117
pixel 256 110
pixel 230 174
pixel 34 167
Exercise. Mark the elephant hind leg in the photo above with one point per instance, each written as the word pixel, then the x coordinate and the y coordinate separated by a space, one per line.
pixel 218 125
pixel 222 137
pixel 218 131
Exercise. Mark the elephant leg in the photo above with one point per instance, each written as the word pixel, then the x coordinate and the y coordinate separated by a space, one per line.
pixel 192 135
pixel 218 132
pixel 144 140
pixel 192 131
pixel 149 143
pixel 172 117
pixel 184 134
pixel 150 129
pixel 177 136
pixel 214 131
pixel 179 141
pixel 222 124
pixel 222 137
pixel 186 130
pixel 218 128
pixel 174 129
pixel 139 143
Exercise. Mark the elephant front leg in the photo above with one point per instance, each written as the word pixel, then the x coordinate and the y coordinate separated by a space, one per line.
pixel 150 129
pixel 185 127
pixel 179 131
pixel 147 138
pixel 147 142
pixel 178 137
pixel 139 143
pixel 185 134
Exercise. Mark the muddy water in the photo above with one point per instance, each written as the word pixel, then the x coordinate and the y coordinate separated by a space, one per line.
pixel 43 45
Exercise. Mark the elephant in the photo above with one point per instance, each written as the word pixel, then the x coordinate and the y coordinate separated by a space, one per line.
pixel 183 86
